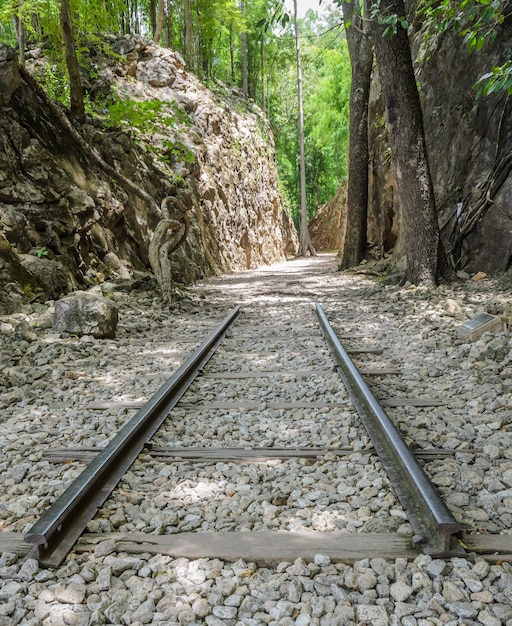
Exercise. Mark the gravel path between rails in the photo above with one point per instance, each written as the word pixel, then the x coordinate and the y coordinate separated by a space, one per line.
pixel 48 382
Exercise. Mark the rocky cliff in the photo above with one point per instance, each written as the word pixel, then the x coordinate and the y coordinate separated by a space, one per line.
pixel 326 226
pixel 67 221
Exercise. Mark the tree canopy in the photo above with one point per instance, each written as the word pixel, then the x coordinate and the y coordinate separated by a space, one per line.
pixel 225 42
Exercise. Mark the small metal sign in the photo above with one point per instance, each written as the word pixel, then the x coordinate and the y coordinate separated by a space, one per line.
pixel 478 325
pixel 478 320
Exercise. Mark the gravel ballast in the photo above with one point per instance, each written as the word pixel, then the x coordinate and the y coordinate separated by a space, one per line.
pixel 50 382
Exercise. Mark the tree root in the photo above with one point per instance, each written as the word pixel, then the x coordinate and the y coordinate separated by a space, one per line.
pixel 169 234
pixel 473 211
pixel 86 147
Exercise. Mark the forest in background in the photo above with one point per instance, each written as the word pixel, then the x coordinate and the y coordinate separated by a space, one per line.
pixel 228 44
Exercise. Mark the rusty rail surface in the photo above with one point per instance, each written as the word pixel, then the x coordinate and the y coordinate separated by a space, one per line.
pixel 433 524
pixel 58 529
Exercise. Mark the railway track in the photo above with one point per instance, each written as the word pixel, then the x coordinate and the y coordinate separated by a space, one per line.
pixel 245 374
pixel 264 465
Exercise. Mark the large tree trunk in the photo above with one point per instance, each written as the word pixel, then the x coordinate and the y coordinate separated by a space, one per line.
pixel 305 243
pixel 152 15
pixel 408 149
pixel 169 23
pixel 159 22
pixel 75 84
pixel 361 59
pixel 245 80
pixel 189 44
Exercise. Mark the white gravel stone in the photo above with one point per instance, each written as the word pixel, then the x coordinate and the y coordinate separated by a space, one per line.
pixel 400 591
pixel 375 615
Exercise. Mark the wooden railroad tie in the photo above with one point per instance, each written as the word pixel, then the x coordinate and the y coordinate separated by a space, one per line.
pixel 236 455
pixel 252 406
pixel 267 547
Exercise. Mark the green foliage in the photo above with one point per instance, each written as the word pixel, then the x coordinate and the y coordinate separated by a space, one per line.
pixel 218 20
pixel 498 79
pixel 42 252
pixel 477 21
pixel 145 116
pixel 40 19
pixel 54 79
pixel 391 20
pixel 149 117
pixel 326 73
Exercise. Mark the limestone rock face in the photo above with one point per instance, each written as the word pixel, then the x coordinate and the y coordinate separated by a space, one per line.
pixel 325 228
pixel 66 223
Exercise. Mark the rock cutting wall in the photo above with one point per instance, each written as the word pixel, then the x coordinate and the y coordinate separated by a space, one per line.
pixel 466 138
pixel 326 226
pixel 65 222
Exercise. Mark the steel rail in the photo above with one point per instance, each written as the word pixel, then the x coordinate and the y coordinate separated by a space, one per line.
pixel 58 529
pixel 433 524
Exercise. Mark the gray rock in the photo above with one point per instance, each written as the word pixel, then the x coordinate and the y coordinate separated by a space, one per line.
pixel 7 608
pixel 28 570
pixel 144 613
pixel 464 610
pixel 400 592
pixel 225 612
pixel 374 615
pixel 114 613
pixel 71 594
pixel 201 607
pixel 85 313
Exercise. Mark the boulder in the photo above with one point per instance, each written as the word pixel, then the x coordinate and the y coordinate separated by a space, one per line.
pixel 86 313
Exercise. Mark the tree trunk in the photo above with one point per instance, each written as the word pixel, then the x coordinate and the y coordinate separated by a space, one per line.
pixel 169 234
pixel 189 44
pixel 232 53
pixel 21 33
pixel 152 15
pixel 169 23
pixel 135 17
pixel 305 243
pixel 262 63
pixel 408 149
pixel 245 80
pixel 75 84
pixel 361 58
pixel 200 57
pixel 160 22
